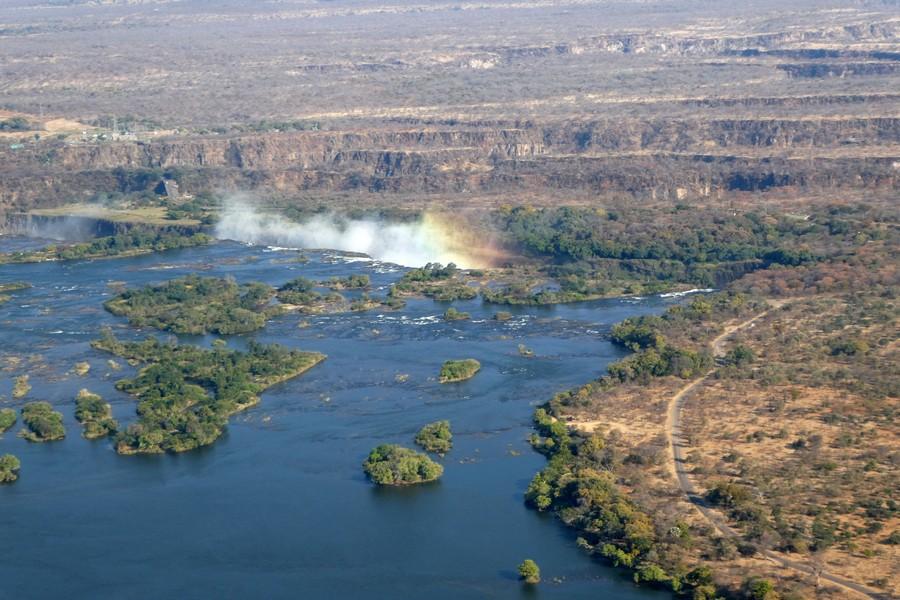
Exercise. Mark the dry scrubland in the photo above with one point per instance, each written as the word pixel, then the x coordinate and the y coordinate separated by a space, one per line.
pixel 788 441
pixel 452 105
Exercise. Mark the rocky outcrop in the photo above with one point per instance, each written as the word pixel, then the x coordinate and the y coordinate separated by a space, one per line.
pixel 641 158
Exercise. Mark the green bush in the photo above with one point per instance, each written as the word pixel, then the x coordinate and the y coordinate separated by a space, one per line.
pixel 95 414
pixel 436 437
pixel 459 370
pixel 529 572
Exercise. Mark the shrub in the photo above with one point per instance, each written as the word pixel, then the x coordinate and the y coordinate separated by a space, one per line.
pixel 390 464
pixel 529 572
pixel 9 468
pixel 436 437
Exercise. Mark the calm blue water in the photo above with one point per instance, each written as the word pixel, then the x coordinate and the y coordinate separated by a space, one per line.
pixel 279 506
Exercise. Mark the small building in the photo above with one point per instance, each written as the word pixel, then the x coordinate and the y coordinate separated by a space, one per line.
pixel 168 188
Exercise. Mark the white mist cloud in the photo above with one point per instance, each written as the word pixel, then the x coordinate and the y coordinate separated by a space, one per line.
pixel 408 244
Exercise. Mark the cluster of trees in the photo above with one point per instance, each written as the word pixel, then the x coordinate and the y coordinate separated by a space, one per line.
pixel 637 250
pixel 435 281
pixel 95 414
pixel 351 282
pixel 452 314
pixel 7 418
pixel 579 485
pixel 301 292
pixel 523 294
pixel 436 437
pixel 186 394
pixel 43 424
pixel 196 305
pixel 201 208
pixel 9 468
pixel 572 234
pixel 529 572
pixel 581 480
pixel 136 241
pixel 459 370
pixel 15 124
pixel 390 464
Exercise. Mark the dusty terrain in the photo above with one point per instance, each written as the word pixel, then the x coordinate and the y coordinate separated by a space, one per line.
pixel 471 104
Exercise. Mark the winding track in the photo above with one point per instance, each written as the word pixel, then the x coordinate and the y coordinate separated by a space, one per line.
pixel 677 446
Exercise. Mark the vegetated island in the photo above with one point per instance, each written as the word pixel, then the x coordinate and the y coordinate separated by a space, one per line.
pixel 9 468
pixel 42 423
pixel 7 419
pixel 95 415
pixel 133 243
pixel 186 393
pixel 459 370
pixel 451 314
pixel 436 437
pixel 13 286
pixel 391 464
pixel 529 572
pixel 443 283
pixel 196 305
pixel 300 294
pixel 21 386
pixel 351 282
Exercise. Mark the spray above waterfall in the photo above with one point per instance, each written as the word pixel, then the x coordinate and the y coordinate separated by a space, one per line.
pixel 410 244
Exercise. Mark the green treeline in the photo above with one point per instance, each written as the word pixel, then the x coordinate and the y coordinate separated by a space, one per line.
pixel 579 485
pixel 196 305
pixel 186 393
pixel 137 241
pixel 581 480
pixel 596 252
pixel 570 234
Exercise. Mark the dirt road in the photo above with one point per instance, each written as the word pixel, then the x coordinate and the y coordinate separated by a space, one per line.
pixel 677 447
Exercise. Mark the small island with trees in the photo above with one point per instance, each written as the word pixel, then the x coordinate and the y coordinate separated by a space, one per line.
pixel 529 572
pixel 434 280
pixel 7 418
pixel 436 437
pixel 95 414
pixel 391 464
pixel 43 424
pixel 133 243
pixel 459 370
pixel 196 305
pixel 12 286
pixel 186 394
pixel 9 468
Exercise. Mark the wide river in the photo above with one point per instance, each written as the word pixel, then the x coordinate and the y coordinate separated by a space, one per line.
pixel 279 507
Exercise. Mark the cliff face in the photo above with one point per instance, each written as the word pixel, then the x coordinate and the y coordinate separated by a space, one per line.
pixel 675 158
